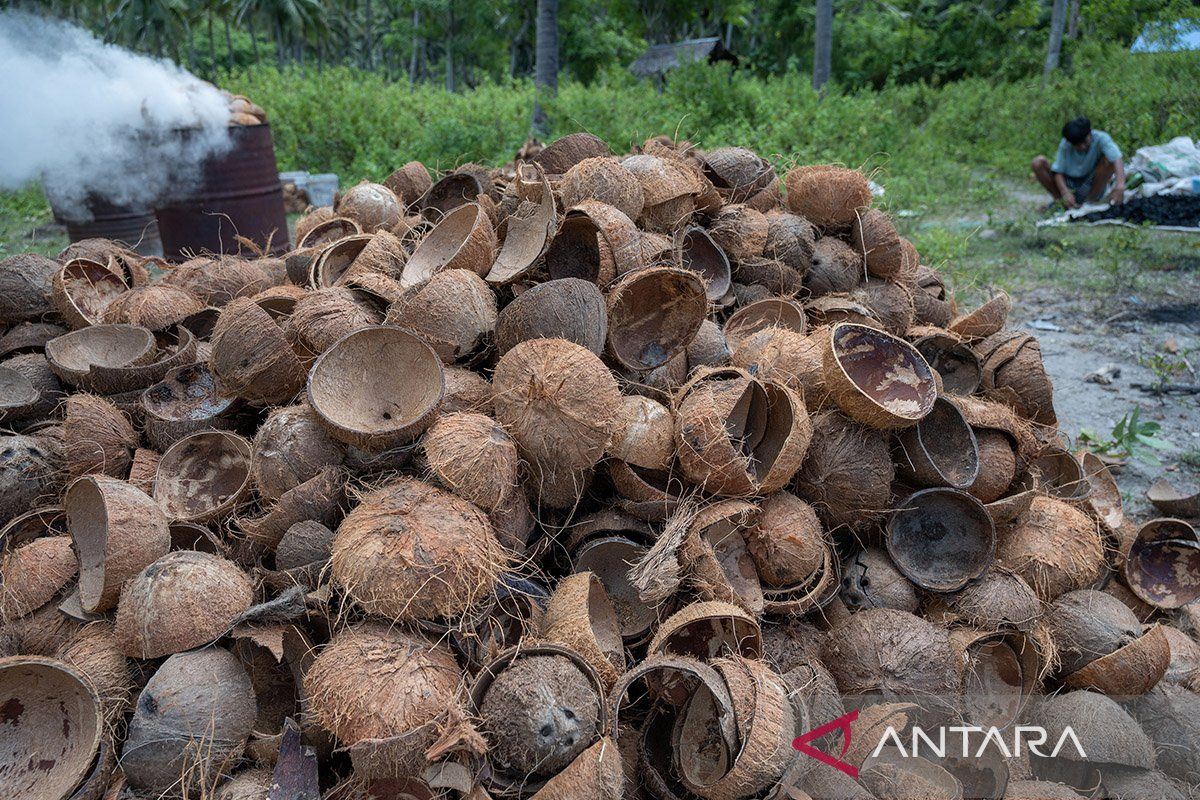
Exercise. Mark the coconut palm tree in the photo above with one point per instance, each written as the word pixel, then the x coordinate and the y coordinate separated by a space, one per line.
pixel 153 23
pixel 823 44
pixel 546 72
pixel 1058 21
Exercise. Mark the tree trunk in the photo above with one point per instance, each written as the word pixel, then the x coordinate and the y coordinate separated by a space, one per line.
pixel 416 44
pixel 229 42
pixel 279 42
pixel 1058 21
pixel 545 82
pixel 450 84
pixel 823 45
pixel 253 38
pixel 1073 21
pixel 212 48
pixel 369 34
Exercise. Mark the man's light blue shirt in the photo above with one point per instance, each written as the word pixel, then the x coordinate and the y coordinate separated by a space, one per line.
pixel 1074 164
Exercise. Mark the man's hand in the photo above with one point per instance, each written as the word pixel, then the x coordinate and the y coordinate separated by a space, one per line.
pixel 1068 201
pixel 1118 195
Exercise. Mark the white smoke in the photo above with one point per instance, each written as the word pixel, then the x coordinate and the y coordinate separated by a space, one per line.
pixel 85 117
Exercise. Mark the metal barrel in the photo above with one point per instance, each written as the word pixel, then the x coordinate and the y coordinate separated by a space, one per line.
pixel 133 227
pixel 238 194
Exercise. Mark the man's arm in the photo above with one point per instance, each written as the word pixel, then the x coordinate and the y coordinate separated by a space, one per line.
pixel 1065 195
pixel 1118 192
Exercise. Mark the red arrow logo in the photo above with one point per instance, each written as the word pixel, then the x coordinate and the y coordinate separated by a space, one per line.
pixel 843 724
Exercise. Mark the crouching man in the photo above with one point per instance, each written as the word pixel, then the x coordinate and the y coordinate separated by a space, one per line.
pixel 1085 163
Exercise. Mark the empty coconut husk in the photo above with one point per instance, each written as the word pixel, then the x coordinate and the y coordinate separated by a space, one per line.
pixel 933 303
pixel 826 195
pixel 940 450
pixel 324 232
pixel 696 250
pixel 1106 732
pixel 377 387
pixel 219 280
pixel 1162 563
pixel 528 233
pixel 787 356
pixel 604 179
pixel 834 267
pixel 157 307
pixel 708 347
pixel 830 309
pixel 318 499
pixel 471 455
pixel 409 182
pixel 566 308
pixel 252 358
pixel 34 571
pixel 888 302
pixel 454 313
pixel 597 773
pixel 203 476
pixel 321 318
pixel 874 235
pixel 740 232
pixel 175 348
pixel 986 320
pixel 847 472
pixel 594 242
pixel 869 579
pixel 82 290
pixel 649 494
pixel 335 260
pixel 185 401
pixel 737 173
pixel 26 286
pixel 565 152
pixel 97 438
pixel 372 205
pixel 29 469
pixel 28 337
pixel 581 617
pixel 999 599
pixel 453 190
pixel 606 545
pixel 712 555
pixel 708 629
pixel 670 188
pixel 464 239
pixel 1000 671
pixel 1054 546
pixel 30 390
pixel 1014 374
pixel 941 539
pixel 770 312
pixel 1132 669
pixel 1173 501
pixel 956 364
pixel 738 436
pixel 53 712
pixel 73 356
pixel 1061 475
pixel 877 379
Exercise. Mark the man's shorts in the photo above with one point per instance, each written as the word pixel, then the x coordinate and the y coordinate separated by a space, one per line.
pixel 1080 187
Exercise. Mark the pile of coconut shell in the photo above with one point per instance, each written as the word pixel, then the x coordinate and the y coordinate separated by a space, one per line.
pixel 587 477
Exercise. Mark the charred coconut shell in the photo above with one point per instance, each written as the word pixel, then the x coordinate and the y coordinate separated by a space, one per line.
pixel 941 539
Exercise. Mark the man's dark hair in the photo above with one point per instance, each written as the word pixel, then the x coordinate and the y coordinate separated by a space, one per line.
pixel 1077 130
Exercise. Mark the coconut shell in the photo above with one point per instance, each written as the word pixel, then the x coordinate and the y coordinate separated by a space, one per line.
pixel 471 455
pixel 290 448
pixel 558 157
pixel 956 364
pixel 454 313
pixel 647 494
pixel 321 318
pixel 940 450
pixel 183 600
pixel 697 251
pixel 1133 669
pixel 986 320
pixel 558 401
pixel 28 337
pixel 889 302
pixel 1162 563
pixel 97 438
pixel 787 356
pixel 597 773
pixel 740 231
pixel 1106 732
pixel 26 284
pixel 19 398
pixel 708 629
pixel 1054 547
pixel 464 239
pixel 54 713
pixel 893 654
pixel 377 388
pixel 791 240
pixel 33 573
pixel 941 539
pixel 877 379
pixel 192 719
pixel 847 472
pixel 409 182
pixel 567 308
pixel 581 617
pixel 251 357
pixel 831 309
pixel 118 530
pixel 335 260
pixel 175 349
pixel 769 312
pixel 645 433
pixel 1000 599
pixel 1167 499
pixel 317 233
pixel 372 205
pixel 774 276
pixel 466 391
pixel 450 192
pixel 82 289
pixel 203 476
pixel 29 469
pixel 218 281
pixel 737 173
pixel 527 233
pixel 874 235
pixel 713 555
pixel 834 267
pixel 73 356
pixel 318 499
pixel 412 551
pixel 787 543
pixel 1061 475
pixel 382 255
pixel 670 188
pixel 738 436
pixel 653 314
pixel 93 652
pixel 870 580
pixel 708 347
pixel 185 401
pixel 594 242
pixel 825 195
pixel 1168 715
pixel 1000 672
pixel 1013 373
pixel 602 179
pixel 157 307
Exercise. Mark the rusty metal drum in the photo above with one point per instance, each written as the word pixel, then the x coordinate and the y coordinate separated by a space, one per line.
pixel 136 228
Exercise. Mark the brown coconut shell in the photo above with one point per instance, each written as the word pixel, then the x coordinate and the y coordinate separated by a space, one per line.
pixel 203 476
pixel 333 261
pixel 1000 671
pixel 567 308
pixel 73 356
pixel 471 455
pixel 464 239
pixel 82 290
pixel 219 280
pixel 28 337
pixel 740 232
pixel 1131 670
pixel 190 723
pixel 1168 715
pixel 834 267
pixel 997 465
pixel 826 195
pixel 608 555
pixel 466 391
pixel 1000 599
pixel 1061 475
pixel 647 494
pixel 409 182
pixel 581 617
pixel 696 250
pixel 941 539
pixel 877 379
pixel 874 235
pixel 383 255
pixel 29 469
pixel 559 156
pixel 34 370
pixel 454 313
pixel 597 773
pixel 18 396
pixel 55 714
pixel 26 286
pixel 321 318
pixel 118 531
pixel 372 205
pixel 451 191
pixel 252 358
pixel 831 309
pixel 291 447
pixel 317 499
pixel 985 320
pixel 791 240
pixel 558 401
pixel 786 356
pixel 183 600
pixel 34 573
pixel 1162 563
pixel 847 472
pixel 185 401
pixel 325 231
pixel 1054 546
pixel 143 468
pixel 713 555
pixel 157 307
pixel 870 580
pixel 1166 498
pixel 770 312
pixel 97 438
pixel 787 544
pixel 527 233
pixel 956 364
pixel 706 630
pixel 1106 732
pixel 413 551
pixel 893 654
pixel 652 315
pixel 644 434
pixel 940 450
pixel 603 179
pixel 174 349
pixel 670 188
pixel 1013 373
pixel 708 347
pixel 594 242
pixel 737 173
pixel 774 276
pixel 889 302
pixel 376 388
pixel 738 436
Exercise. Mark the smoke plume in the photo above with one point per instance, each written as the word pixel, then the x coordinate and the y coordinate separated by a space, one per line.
pixel 85 117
